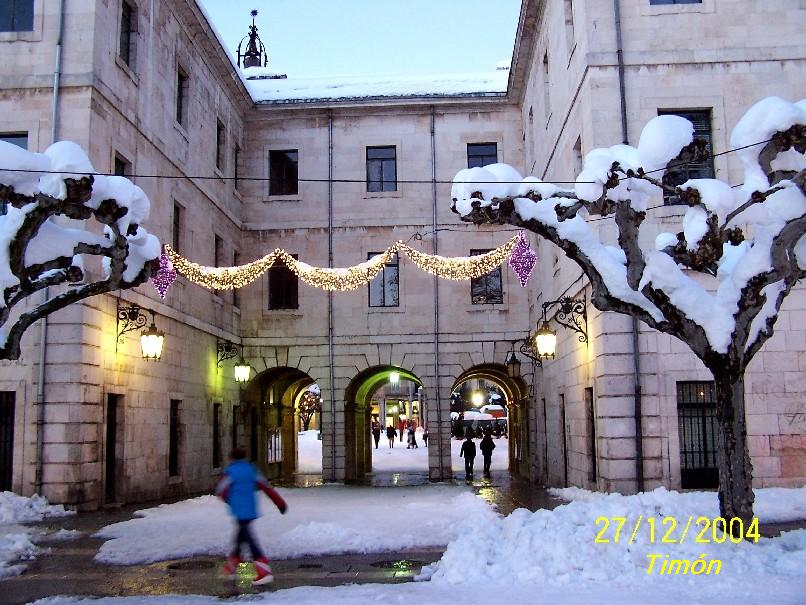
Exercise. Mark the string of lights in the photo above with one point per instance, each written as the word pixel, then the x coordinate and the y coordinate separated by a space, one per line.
pixel 342 279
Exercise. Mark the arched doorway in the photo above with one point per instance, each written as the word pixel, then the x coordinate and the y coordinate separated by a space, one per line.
pixel 382 394
pixel 483 403
pixel 269 404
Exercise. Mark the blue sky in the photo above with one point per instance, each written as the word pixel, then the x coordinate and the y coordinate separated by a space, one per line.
pixel 357 37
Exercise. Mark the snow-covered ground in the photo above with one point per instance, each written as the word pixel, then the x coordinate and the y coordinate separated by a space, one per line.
pixel 323 520
pixel 399 459
pixel 17 541
pixel 542 557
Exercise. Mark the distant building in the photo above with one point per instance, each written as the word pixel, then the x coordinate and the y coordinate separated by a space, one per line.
pixel 334 172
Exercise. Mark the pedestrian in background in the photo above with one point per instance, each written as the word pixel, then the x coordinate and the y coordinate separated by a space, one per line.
pixel 468 452
pixel 376 433
pixel 487 446
pixel 391 433
pixel 412 439
pixel 425 436
pixel 237 487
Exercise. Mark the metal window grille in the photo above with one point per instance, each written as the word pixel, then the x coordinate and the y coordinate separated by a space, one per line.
pixel 173 445
pixel 128 33
pixel 7 404
pixel 681 171
pixel 697 425
pixel 216 435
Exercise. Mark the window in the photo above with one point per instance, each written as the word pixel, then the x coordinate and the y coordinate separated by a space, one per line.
pixel 546 87
pixel 173 444
pixel 569 23
pixel 591 414
pixel 481 154
pixel 235 161
pixel 216 435
pixel 128 33
pixel 578 156
pixel 381 169
pixel 654 2
pixel 696 168
pixel 236 411
pixel 283 287
pixel 176 234
pixel 384 290
pixel 696 421
pixel 236 297
pixel 20 139
pixel 220 144
pixel 283 172
pixel 122 166
pixel 218 254
pixel 182 88
pixel 486 290
pixel 17 16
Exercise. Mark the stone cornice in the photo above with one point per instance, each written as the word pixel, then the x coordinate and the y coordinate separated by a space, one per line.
pixel 524 49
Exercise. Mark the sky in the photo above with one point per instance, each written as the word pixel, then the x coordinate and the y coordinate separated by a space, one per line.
pixel 309 38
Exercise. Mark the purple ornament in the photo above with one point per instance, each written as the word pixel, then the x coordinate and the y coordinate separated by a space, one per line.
pixel 523 259
pixel 165 275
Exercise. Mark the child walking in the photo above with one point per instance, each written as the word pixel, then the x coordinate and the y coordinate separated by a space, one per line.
pixel 237 488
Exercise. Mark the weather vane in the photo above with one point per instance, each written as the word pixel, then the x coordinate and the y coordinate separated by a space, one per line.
pixel 255 52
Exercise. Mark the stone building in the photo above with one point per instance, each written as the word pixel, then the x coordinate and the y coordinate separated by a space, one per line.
pixel 254 165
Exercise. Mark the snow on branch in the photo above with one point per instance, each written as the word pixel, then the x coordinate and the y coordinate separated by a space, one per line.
pixel 44 233
pixel 718 283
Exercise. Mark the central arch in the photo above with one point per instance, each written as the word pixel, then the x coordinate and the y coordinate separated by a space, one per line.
pixel 516 392
pixel 358 415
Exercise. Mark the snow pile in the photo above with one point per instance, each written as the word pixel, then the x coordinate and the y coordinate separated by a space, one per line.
pixel 712 306
pixel 559 547
pixel 16 541
pixel 321 520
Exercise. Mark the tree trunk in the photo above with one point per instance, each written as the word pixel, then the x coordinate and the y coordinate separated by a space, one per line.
pixel 735 469
pixel 306 421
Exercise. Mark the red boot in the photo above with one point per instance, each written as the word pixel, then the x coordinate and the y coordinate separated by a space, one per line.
pixel 263 569
pixel 230 569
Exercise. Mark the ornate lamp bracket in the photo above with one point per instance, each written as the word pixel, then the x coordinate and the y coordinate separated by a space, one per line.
pixel 130 318
pixel 226 350
pixel 572 313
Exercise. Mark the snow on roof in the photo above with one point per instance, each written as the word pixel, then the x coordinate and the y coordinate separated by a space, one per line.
pixel 344 88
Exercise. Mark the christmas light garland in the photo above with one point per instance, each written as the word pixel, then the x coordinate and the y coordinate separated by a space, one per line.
pixel 347 278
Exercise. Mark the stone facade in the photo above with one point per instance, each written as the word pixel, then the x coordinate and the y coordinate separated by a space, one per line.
pixel 75 453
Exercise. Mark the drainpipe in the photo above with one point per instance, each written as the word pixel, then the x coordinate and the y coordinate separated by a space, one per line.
pixel 636 351
pixel 436 287
pixel 330 292
pixel 43 333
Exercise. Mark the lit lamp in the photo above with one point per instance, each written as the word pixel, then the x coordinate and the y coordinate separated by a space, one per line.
pixel 545 341
pixel 477 399
pixel 151 341
pixel 242 370
pixel 394 377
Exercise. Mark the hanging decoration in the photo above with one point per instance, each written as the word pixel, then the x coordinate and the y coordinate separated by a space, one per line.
pixel 165 275
pixel 523 259
pixel 347 278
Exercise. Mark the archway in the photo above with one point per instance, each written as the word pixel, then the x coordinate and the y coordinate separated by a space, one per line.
pixel 382 394
pixel 269 411
pixel 485 415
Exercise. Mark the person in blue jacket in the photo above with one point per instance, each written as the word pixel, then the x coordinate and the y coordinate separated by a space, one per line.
pixel 237 487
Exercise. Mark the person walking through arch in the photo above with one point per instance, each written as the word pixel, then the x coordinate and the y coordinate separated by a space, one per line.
pixel 391 433
pixel 468 452
pixel 487 446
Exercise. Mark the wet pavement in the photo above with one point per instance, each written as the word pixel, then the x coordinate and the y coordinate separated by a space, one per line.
pixel 70 569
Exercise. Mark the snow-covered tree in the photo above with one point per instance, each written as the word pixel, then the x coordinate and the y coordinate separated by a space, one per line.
pixel 717 285
pixel 47 200
pixel 310 403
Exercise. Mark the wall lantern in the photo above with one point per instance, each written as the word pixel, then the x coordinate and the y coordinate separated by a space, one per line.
pixel 513 365
pixel 394 377
pixel 133 317
pixel 571 314
pixel 477 398
pixel 242 370
pixel 544 341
